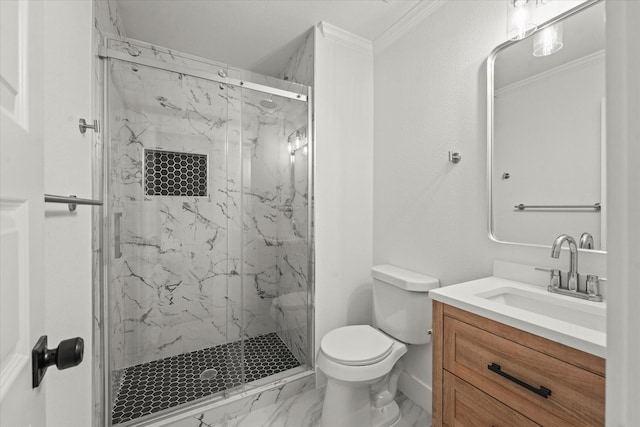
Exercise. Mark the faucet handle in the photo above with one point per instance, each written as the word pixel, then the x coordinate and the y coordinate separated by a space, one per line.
pixel 593 286
pixel 586 241
pixel 554 280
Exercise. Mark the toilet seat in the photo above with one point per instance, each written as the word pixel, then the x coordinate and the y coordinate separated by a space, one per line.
pixel 357 345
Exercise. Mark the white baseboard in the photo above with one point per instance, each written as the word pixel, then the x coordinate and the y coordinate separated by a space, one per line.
pixel 416 390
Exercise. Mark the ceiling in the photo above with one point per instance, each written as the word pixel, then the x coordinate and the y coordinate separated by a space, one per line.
pixel 256 35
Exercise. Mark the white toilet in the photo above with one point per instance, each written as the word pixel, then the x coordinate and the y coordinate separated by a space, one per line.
pixel 362 362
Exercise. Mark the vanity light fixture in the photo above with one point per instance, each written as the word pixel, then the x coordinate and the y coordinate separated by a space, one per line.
pixel 548 41
pixel 519 19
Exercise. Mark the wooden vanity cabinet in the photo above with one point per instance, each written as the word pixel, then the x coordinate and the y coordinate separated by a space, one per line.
pixel 486 373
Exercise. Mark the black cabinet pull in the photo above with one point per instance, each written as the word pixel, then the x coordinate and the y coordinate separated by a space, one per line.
pixel 542 391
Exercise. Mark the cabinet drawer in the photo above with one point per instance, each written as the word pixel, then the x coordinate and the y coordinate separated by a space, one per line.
pixel 466 406
pixel 576 396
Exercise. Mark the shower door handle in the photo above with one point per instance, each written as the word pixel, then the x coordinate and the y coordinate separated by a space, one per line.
pixel 116 240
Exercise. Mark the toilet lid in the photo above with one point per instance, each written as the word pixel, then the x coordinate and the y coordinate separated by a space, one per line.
pixel 356 345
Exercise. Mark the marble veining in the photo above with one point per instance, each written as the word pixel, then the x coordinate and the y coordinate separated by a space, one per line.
pixel 195 272
pixel 299 68
pixel 303 410
pixel 106 19
pixel 251 400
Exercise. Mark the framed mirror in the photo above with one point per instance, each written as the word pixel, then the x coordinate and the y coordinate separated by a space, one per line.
pixel 546 133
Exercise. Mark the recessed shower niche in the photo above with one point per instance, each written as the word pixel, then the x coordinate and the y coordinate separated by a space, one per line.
pixel 168 173
pixel 206 225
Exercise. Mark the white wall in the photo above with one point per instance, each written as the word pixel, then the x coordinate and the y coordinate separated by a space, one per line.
pixel 67 170
pixel 430 215
pixel 344 169
pixel 623 156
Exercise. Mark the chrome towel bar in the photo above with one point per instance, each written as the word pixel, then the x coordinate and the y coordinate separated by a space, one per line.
pixel 595 207
pixel 72 201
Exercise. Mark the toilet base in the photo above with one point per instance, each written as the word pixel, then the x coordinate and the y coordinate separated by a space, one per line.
pixel 387 416
pixel 347 405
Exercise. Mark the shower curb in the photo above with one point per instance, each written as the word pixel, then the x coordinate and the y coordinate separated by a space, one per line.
pixel 240 404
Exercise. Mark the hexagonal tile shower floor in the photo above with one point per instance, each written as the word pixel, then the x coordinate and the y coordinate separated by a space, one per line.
pixel 161 384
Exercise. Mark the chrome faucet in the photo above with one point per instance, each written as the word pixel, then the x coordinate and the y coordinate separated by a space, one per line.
pixel 573 267
pixel 592 291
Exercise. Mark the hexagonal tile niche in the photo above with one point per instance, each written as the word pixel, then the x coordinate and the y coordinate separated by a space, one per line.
pixel 170 173
pixel 161 384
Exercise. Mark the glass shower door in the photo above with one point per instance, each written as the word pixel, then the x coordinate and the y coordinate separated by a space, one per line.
pixel 275 244
pixel 207 247
pixel 172 235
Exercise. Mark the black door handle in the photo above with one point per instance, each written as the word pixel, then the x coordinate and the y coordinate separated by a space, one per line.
pixel 68 354
pixel 542 391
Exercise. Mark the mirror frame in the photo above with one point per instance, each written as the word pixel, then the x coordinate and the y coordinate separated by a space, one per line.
pixel 490 119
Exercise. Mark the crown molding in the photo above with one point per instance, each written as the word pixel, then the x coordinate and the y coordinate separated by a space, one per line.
pixel 406 23
pixel 576 63
pixel 345 38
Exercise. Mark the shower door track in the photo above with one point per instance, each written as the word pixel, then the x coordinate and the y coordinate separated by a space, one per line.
pixel 111 53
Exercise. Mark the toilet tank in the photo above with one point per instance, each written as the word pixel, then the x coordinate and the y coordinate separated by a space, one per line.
pixel 401 303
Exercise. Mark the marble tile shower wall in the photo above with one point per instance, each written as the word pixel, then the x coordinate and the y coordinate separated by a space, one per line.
pixel 291 306
pixel 177 252
pixel 177 285
pixel 106 21
pixel 299 68
pixel 161 97
pixel 276 206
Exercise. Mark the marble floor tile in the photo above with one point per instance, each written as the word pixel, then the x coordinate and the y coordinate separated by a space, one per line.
pixel 305 409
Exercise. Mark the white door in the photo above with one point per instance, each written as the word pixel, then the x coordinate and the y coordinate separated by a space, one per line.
pixel 21 210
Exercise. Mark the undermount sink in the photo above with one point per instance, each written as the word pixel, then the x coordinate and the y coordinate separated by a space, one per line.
pixel 577 323
pixel 550 305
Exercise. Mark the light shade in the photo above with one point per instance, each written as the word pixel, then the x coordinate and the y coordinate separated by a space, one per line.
pixel 519 19
pixel 548 41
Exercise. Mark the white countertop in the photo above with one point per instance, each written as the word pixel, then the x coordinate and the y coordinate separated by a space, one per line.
pixel 475 296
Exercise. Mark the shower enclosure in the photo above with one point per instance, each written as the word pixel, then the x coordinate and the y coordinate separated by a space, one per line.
pixel 206 231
